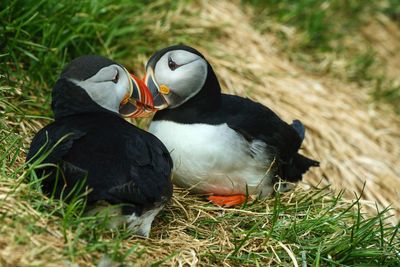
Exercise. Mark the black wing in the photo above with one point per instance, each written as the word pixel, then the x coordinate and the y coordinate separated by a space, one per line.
pixel 50 145
pixel 150 166
pixel 255 121
pixel 54 142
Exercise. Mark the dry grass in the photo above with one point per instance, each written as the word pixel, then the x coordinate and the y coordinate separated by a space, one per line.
pixel 188 233
pixel 356 142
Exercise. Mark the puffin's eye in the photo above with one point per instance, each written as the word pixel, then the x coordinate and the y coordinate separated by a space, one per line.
pixel 116 78
pixel 171 64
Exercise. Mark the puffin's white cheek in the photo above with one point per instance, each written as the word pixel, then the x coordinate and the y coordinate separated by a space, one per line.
pixel 191 80
pixel 120 92
pixel 122 89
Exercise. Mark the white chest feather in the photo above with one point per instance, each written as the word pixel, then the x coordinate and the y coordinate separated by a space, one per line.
pixel 215 158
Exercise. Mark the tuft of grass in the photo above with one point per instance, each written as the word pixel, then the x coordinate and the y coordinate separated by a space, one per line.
pixel 323 22
pixel 392 9
pixel 388 91
pixel 323 29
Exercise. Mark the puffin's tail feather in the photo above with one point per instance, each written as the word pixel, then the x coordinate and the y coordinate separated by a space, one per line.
pixel 299 128
pixel 293 171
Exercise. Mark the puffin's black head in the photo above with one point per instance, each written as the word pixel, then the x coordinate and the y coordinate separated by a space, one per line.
pixel 179 73
pixel 91 83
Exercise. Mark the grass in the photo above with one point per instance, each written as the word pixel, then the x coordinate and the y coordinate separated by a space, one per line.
pixel 316 227
pixel 322 32
pixel 324 228
pixel 322 22
pixel 39 37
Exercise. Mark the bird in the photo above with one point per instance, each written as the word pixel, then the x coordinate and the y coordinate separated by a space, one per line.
pixel 222 145
pixel 91 146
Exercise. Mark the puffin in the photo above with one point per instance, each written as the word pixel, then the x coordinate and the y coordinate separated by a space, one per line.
pixel 91 149
pixel 222 145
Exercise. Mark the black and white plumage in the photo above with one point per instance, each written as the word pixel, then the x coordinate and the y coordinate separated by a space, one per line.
pixel 220 144
pixel 120 163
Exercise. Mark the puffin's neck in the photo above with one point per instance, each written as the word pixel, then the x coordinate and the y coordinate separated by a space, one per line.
pixel 206 102
pixel 69 99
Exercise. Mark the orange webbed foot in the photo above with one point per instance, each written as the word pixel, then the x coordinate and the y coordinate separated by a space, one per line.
pixel 227 201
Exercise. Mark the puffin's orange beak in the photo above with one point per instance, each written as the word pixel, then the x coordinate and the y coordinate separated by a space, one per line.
pixel 140 101
pixel 158 92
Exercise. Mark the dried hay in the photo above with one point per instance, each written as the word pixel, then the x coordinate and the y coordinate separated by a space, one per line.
pixel 171 239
